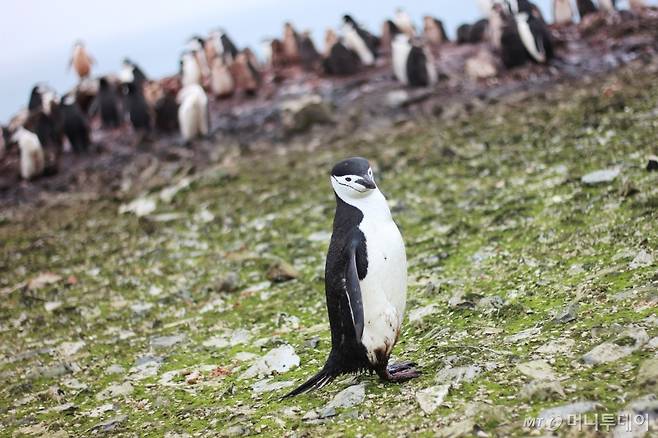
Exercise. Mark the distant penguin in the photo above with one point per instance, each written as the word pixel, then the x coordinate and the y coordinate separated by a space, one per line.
pixel 413 65
pixel 247 78
pixel 290 44
pixel 464 33
pixel 535 37
pixel 137 108
pixel 193 116
pixel 403 21
pixel 106 105
pixel 130 72
pixel 308 54
pixel 228 49
pixel 360 41
pixel 74 124
pixel 478 31
pixel 339 60
pixel 637 5
pixel 607 5
pixel 433 31
pixel 365 281
pixel 81 61
pixel 562 12
pixel 3 142
pixel 585 7
pixel 35 103
pixel 190 69
pixel 44 118
pixel 222 83
pixel 389 30
pixel 496 24
pixel 166 112
pixel 196 45
pixel 33 162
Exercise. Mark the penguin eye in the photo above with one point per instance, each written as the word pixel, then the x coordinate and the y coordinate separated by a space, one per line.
pixel 348 179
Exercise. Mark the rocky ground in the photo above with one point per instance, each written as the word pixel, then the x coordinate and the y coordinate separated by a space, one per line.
pixel 192 307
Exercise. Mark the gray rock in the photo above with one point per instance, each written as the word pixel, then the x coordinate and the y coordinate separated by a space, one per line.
pixel 464 428
pixel 50 372
pixel 347 398
pixel 299 115
pixel 110 425
pixel 429 399
pixel 266 385
pixel 419 313
pixel 167 341
pixel 629 341
pixel 564 411
pixel 455 376
pixel 537 370
pixel 641 260
pixel 522 335
pixel 567 314
pixel 601 176
pixel 278 360
pixel 397 98
pixel 115 390
pixel 563 346
pixel 115 369
pixel 647 376
pixel 542 391
pixel 228 283
pixel 145 367
pixel 644 408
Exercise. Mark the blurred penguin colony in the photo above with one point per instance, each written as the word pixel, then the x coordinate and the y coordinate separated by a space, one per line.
pixel 513 33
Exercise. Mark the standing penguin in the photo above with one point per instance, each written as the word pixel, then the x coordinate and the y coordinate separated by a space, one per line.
pixel 166 112
pixel 361 41
pixel 33 162
pixel 290 44
pixel 404 23
pixel 585 7
pixel 74 124
pixel 308 54
pixel 365 281
pixel 535 37
pixel 3 142
pixel 137 109
pixel 222 83
pixel 130 72
pixel 339 60
pixel 106 105
pixel 190 69
pixel 193 116
pixel 608 5
pixel 562 12
pixel 81 61
pixel 413 65
pixel 433 31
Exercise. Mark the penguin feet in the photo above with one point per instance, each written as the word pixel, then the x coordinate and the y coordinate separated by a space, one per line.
pixel 399 372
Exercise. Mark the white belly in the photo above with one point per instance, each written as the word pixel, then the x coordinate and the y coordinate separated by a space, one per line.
pixel 384 289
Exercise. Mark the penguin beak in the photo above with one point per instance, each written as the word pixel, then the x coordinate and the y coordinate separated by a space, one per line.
pixel 367 182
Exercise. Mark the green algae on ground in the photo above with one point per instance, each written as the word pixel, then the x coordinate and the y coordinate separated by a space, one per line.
pixel 493 212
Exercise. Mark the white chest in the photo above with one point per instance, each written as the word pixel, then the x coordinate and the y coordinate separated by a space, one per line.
pixel 384 289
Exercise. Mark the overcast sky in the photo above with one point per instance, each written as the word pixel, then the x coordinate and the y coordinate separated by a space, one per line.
pixel 36 35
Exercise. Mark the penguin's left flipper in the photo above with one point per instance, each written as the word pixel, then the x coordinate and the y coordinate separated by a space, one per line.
pixel 353 290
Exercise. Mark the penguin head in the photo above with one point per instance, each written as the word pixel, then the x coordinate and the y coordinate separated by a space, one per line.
pixel 353 178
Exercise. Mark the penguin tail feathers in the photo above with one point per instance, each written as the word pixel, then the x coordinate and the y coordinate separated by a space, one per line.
pixel 324 377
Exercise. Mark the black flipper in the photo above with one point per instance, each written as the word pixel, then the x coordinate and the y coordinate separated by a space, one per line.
pixel 353 290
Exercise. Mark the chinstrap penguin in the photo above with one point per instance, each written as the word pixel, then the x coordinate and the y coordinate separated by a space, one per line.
pixel 413 65
pixel 193 116
pixel 74 124
pixel 33 162
pixel 360 41
pixel 106 105
pixel 365 281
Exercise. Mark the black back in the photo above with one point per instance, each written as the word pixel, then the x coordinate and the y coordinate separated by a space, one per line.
pixel 228 46
pixel 585 7
pixel 478 31
pixel 308 55
pixel 36 101
pixel 542 35
pixel 372 42
pixel 107 104
pixel 512 50
pixel 166 113
pixel 138 109
pixel 341 61
pixel 347 353
pixel 442 30
pixel 75 126
pixel 417 68
pixel 464 34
